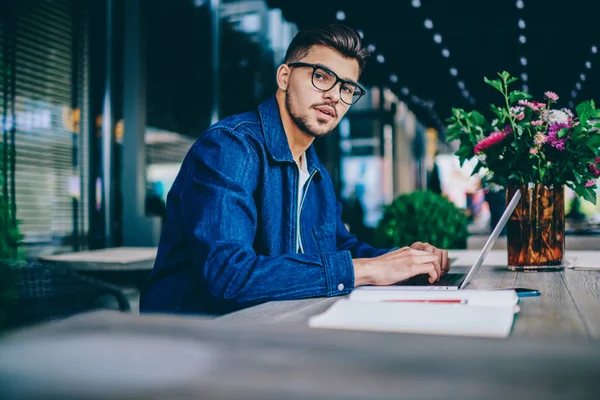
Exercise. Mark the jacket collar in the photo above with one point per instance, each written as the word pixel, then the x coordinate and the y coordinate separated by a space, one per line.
pixel 276 141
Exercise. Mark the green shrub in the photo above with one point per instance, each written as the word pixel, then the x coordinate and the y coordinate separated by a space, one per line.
pixel 425 217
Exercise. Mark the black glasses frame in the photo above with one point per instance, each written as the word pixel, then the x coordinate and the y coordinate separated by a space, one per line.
pixel 361 92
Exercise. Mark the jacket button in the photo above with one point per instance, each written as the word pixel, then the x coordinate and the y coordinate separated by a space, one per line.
pixel 341 287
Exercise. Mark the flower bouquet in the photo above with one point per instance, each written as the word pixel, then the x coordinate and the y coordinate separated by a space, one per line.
pixel 537 149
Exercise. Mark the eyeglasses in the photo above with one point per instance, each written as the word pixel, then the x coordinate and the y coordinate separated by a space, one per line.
pixel 324 79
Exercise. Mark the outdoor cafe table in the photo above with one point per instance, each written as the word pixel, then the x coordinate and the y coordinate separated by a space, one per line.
pixel 268 352
pixel 569 305
pixel 116 259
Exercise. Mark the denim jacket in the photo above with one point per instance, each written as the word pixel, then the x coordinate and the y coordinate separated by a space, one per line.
pixel 229 239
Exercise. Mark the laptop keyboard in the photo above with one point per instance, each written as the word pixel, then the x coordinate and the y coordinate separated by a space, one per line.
pixel 423 280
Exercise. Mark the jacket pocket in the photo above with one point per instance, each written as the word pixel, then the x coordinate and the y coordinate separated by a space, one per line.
pixel 325 237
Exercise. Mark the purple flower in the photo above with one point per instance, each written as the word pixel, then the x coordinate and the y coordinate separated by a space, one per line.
pixel 590 183
pixel 594 170
pixel 553 140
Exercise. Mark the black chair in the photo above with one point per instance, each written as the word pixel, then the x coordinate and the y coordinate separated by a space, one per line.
pixel 45 292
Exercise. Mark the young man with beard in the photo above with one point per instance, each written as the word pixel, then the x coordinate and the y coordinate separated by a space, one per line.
pixel 252 215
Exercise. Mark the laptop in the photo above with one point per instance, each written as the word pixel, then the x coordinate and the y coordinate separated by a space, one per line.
pixel 454 281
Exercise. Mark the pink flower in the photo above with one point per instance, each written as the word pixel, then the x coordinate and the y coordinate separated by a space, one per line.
pixel 539 139
pixel 529 104
pixel 539 122
pixel 520 116
pixel 533 150
pixel 594 170
pixel 590 183
pixel 597 160
pixel 493 139
pixel 551 96
pixel 538 104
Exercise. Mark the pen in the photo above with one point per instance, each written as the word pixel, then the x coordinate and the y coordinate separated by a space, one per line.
pixel 445 301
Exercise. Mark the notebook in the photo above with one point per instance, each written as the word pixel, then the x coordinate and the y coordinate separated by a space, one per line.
pixel 480 314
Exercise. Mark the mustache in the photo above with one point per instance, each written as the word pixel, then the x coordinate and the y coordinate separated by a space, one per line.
pixel 328 105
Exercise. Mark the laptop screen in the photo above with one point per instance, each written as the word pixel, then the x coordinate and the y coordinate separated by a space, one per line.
pixel 492 239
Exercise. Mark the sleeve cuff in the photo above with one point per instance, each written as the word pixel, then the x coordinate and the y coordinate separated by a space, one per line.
pixel 339 272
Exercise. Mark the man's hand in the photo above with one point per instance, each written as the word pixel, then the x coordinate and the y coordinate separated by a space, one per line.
pixel 397 266
pixel 442 254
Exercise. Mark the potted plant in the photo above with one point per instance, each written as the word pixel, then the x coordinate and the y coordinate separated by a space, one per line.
pixel 537 149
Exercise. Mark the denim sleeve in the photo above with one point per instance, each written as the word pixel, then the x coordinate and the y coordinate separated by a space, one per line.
pixel 346 241
pixel 220 219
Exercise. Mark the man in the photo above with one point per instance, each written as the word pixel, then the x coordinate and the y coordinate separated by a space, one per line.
pixel 252 215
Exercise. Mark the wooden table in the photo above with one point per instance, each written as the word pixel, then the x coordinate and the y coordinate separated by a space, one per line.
pixel 268 352
pixel 569 307
pixel 108 355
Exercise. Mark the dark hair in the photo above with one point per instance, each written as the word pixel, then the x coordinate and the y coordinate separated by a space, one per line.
pixel 339 37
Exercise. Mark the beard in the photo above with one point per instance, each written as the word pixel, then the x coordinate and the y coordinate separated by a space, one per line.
pixel 302 121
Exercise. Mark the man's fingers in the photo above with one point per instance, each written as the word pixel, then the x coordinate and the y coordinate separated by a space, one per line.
pixel 446 261
pixel 429 269
pixel 419 257
pixel 442 254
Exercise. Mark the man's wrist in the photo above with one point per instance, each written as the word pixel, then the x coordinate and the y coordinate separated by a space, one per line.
pixel 362 272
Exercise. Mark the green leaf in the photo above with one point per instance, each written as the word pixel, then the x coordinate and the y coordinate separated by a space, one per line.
pixel 588 194
pixel 496 84
pixel 593 142
pixel 499 111
pixel 514 175
pixel 562 133
pixel 511 80
pixel 517 95
pixel 585 110
pixel 477 119
pixel 458 113
pixel 504 75
pixel 464 153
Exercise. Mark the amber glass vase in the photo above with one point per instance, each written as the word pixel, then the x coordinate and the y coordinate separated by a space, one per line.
pixel 536 230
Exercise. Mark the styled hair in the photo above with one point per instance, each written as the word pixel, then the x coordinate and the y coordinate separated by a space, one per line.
pixel 339 37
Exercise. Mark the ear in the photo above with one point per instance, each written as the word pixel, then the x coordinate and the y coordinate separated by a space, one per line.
pixel 283 76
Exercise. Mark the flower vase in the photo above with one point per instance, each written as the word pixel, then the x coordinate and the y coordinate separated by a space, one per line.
pixel 536 229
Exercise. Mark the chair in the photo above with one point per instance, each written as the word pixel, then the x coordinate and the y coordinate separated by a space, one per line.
pixel 45 292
